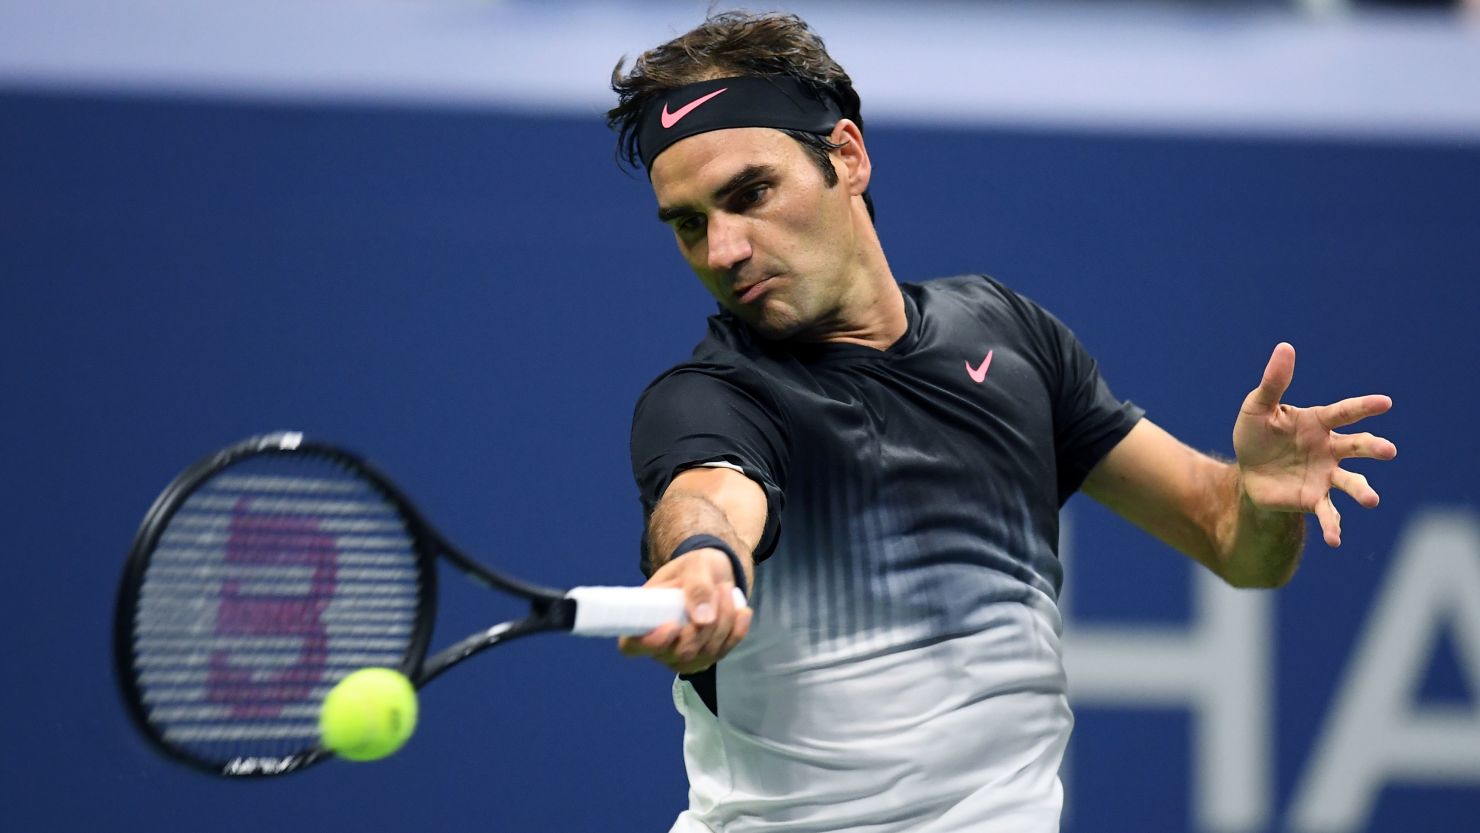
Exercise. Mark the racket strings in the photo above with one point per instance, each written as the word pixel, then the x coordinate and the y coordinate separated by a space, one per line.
pixel 272 581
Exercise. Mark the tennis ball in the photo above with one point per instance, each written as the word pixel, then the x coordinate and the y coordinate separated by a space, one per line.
pixel 369 714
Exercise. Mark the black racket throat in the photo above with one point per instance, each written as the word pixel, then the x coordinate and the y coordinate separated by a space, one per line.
pixel 540 596
pixel 558 615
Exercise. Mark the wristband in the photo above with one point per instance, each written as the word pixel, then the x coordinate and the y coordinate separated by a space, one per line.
pixel 703 542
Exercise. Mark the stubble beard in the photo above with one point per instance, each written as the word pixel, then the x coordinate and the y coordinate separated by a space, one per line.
pixel 791 314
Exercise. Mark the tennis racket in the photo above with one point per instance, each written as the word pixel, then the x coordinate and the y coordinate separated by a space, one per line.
pixel 270 570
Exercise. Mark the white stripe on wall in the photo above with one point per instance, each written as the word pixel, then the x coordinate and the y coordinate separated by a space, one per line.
pixel 1092 65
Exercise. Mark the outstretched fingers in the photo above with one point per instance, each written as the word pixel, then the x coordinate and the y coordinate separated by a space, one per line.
pixel 1330 521
pixel 1355 409
pixel 1355 485
pixel 1278 374
pixel 1369 446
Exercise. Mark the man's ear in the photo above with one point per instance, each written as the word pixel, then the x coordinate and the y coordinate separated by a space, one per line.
pixel 851 160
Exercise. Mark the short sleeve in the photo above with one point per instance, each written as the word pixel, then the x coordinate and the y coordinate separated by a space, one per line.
pixel 707 414
pixel 1088 420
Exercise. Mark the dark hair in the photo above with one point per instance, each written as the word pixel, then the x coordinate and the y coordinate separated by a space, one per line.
pixel 729 44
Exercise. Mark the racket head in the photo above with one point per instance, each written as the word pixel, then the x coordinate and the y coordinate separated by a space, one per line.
pixel 259 578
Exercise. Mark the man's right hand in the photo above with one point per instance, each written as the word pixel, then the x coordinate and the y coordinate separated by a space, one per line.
pixel 715 624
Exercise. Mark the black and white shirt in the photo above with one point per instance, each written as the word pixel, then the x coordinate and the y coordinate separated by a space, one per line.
pixel 903 668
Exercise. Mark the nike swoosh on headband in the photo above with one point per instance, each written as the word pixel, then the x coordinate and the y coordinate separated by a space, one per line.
pixel 670 119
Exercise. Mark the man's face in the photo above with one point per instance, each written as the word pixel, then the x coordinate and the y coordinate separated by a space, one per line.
pixel 758 224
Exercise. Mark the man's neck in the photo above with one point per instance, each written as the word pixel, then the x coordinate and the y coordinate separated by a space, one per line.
pixel 874 314
pixel 876 318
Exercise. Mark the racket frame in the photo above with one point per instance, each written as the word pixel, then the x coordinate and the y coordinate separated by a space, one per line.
pixel 550 610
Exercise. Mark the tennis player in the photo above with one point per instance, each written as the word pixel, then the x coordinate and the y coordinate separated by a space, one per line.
pixel 881 466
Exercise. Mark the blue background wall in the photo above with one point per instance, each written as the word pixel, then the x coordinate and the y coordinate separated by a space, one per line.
pixel 475 299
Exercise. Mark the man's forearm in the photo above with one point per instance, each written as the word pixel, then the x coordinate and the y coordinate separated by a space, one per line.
pixel 682 514
pixel 705 500
pixel 1254 547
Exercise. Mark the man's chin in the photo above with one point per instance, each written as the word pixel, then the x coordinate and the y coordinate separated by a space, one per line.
pixel 770 323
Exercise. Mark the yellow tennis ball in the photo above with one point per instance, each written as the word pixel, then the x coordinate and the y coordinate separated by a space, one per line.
pixel 369 714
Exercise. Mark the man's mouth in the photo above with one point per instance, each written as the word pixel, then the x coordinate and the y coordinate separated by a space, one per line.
pixel 750 292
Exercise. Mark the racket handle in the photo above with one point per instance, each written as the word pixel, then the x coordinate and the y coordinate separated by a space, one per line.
pixel 629 611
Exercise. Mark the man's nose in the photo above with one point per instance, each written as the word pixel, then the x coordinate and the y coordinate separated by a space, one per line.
pixel 728 241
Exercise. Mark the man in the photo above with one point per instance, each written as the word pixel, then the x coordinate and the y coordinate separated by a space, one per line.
pixel 881 467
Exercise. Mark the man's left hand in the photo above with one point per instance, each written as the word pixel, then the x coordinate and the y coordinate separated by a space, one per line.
pixel 1289 458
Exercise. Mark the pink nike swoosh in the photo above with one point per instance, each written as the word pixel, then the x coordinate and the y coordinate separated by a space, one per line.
pixel 670 119
pixel 977 374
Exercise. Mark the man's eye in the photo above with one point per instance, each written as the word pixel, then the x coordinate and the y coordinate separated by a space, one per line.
pixel 691 224
pixel 751 196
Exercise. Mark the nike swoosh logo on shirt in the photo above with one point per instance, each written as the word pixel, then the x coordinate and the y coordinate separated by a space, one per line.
pixel 670 119
pixel 977 374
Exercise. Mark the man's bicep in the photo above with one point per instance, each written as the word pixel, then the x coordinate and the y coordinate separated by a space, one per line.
pixel 1153 480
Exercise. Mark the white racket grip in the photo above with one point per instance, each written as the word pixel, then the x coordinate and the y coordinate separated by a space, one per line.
pixel 629 611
